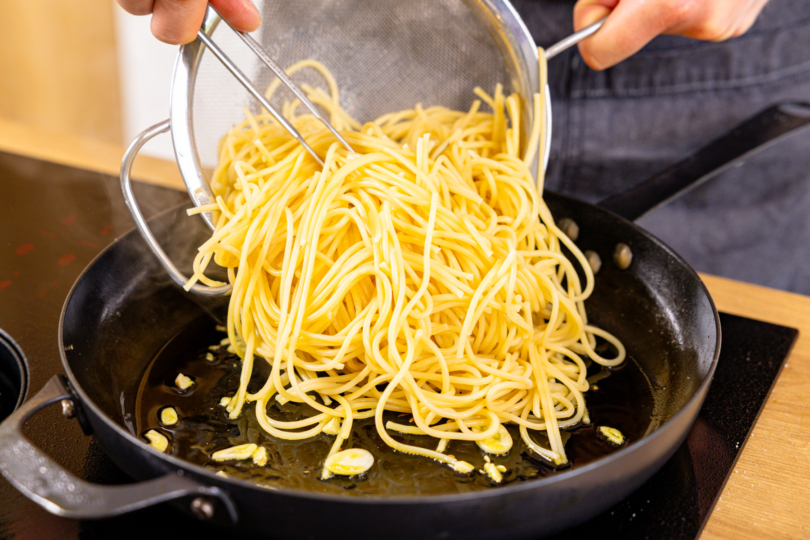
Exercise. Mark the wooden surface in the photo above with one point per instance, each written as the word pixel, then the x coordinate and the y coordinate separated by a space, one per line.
pixel 60 68
pixel 768 495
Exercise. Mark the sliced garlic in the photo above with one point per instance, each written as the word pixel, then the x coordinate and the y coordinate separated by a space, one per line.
pixel 494 473
pixel 612 435
pixel 462 467
pixel 157 440
pixel 260 456
pixel 168 416
pixel 223 474
pixel 183 382
pixel 209 357
pixel 242 451
pixel 498 444
pixel 333 426
pixel 349 462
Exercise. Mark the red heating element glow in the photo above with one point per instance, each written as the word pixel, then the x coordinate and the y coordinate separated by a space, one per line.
pixel 25 248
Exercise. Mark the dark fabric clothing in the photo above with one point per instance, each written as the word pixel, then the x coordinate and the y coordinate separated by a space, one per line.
pixel 615 128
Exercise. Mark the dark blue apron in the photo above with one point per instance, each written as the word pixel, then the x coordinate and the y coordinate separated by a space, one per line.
pixel 613 129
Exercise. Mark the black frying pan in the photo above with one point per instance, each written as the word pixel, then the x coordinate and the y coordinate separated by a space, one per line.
pixel 123 309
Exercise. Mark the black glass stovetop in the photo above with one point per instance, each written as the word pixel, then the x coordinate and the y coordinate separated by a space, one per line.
pixel 55 219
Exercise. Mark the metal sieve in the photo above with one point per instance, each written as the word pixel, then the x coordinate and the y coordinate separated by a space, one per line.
pixel 385 56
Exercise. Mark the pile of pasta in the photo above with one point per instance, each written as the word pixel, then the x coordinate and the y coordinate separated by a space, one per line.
pixel 420 274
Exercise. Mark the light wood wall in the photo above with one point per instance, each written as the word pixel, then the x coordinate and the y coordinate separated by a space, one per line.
pixel 59 68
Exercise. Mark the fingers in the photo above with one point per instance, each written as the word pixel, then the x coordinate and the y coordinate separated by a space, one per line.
pixel 631 24
pixel 137 7
pixel 717 24
pixel 751 17
pixel 177 21
pixel 587 12
pixel 711 20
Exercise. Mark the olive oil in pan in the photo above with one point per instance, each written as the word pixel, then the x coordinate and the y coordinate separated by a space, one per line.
pixel 621 398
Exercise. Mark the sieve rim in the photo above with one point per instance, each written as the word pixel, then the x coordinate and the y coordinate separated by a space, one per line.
pixel 499 17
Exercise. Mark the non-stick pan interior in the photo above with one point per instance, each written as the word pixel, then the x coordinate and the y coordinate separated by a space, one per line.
pixel 658 306
pixel 124 309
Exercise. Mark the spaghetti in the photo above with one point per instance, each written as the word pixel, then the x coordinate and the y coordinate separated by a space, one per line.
pixel 413 276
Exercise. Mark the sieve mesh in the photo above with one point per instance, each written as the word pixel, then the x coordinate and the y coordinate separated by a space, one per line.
pixel 386 55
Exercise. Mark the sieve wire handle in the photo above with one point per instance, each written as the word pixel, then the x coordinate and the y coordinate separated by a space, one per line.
pixel 140 222
pixel 573 39
pixel 279 72
pixel 244 81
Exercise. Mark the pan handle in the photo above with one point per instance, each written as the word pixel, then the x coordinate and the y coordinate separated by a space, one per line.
pixel 732 149
pixel 140 222
pixel 58 491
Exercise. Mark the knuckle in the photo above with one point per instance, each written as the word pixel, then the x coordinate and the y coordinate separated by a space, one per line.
pixel 714 29
pixel 699 19
pixel 678 11
pixel 740 30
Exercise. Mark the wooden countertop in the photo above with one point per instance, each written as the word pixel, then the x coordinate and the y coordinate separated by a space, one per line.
pixel 768 495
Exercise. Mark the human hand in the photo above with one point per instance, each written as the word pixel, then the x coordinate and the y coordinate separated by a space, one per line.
pixel 631 24
pixel 177 21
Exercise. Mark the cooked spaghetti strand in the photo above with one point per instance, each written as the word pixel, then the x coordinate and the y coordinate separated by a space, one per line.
pixel 423 275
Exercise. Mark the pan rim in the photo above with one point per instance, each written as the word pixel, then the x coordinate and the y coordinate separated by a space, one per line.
pixel 183 466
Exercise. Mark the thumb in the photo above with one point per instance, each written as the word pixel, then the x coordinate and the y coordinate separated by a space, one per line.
pixel 630 25
pixel 587 12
